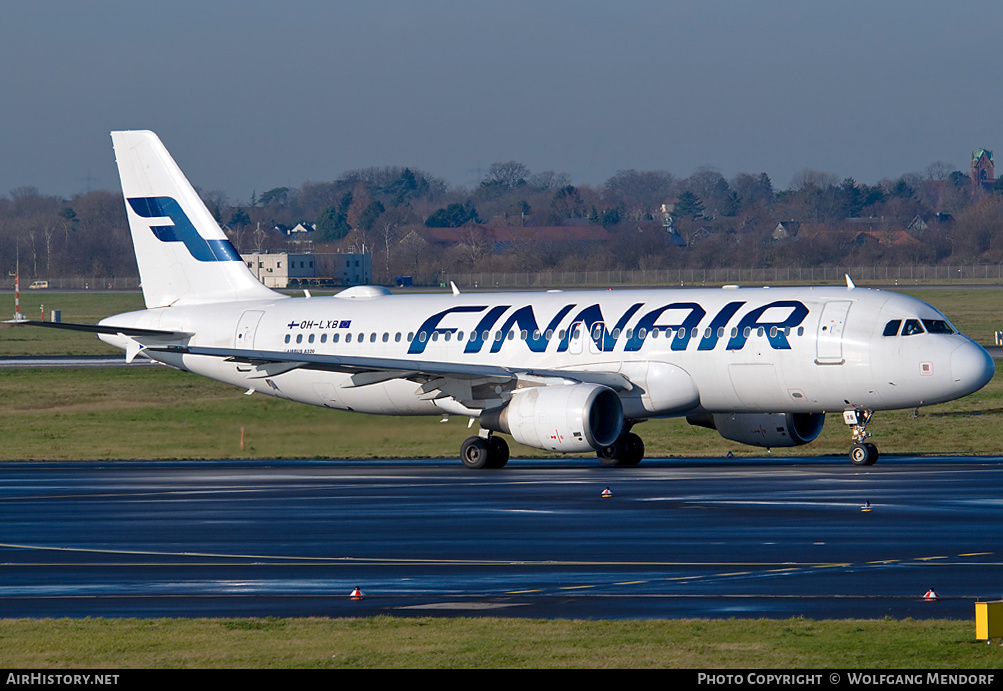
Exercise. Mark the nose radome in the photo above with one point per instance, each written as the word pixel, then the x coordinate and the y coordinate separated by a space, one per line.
pixel 971 367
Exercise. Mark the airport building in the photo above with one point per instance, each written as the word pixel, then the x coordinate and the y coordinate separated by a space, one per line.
pixel 274 269
pixel 282 269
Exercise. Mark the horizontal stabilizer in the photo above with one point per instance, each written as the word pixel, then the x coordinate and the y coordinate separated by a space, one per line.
pixel 100 329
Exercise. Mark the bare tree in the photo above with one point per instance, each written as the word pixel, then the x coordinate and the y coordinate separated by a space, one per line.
pixel 641 192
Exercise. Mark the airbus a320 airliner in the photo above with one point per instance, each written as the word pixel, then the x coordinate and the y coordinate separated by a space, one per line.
pixel 563 371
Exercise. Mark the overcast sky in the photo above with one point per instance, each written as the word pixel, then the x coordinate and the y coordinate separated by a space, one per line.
pixel 251 95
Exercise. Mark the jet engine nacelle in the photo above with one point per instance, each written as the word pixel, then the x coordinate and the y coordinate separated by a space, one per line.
pixel 763 429
pixel 569 418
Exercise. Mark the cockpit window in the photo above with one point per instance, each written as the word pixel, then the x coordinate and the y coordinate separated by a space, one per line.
pixel 916 326
pixel 892 327
pixel 937 326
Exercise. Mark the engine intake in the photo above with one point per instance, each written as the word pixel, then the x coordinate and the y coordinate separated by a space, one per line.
pixel 570 418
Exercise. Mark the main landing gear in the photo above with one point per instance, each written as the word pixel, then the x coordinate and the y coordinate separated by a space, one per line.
pixel 627 450
pixel 861 453
pixel 489 451
pixel 484 452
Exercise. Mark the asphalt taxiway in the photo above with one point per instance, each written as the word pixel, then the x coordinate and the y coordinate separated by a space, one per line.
pixel 763 537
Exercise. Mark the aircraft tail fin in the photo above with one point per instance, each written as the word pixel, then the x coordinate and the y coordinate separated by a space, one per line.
pixel 184 257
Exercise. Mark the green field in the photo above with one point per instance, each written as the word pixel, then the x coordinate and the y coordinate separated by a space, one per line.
pixel 155 412
pixel 159 413
pixel 426 643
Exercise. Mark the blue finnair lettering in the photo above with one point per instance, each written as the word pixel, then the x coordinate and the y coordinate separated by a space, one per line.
pixel 536 338
pixel 431 326
pixel 775 319
pixel 775 330
pixel 594 325
pixel 684 329
pixel 482 333
pixel 183 230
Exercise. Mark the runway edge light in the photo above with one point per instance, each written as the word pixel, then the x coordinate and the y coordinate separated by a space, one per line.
pixel 931 595
pixel 606 494
pixel 356 594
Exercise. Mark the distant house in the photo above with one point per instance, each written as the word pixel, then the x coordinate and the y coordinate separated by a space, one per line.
pixel 300 229
pixel 983 175
pixel 886 238
pixel 786 230
pixel 917 225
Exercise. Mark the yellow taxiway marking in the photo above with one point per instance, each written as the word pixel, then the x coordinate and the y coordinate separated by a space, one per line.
pixel 271 559
pixel 392 560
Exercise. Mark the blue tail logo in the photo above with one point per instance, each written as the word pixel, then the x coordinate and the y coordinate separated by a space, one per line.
pixel 183 230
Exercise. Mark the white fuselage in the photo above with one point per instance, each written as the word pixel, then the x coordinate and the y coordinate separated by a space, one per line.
pixel 684 351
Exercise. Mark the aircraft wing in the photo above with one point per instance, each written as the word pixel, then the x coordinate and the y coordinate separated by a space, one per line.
pixel 437 379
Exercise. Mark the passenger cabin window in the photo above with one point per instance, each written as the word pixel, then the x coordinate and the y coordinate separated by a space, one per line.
pixel 892 327
pixel 912 326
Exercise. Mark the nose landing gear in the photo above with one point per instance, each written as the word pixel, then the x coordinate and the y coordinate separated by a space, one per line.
pixel 862 452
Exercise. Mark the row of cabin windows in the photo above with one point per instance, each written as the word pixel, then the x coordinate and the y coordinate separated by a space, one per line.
pixel 917 326
pixel 642 333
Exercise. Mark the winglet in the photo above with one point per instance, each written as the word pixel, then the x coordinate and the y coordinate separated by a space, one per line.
pixel 849 282
pixel 456 291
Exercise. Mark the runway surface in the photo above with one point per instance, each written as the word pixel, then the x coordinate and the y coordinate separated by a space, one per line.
pixel 29 361
pixel 678 538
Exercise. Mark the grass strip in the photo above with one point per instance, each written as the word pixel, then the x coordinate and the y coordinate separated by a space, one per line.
pixel 388 642
pixel 158 413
